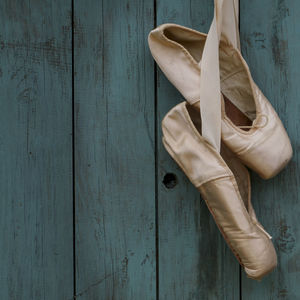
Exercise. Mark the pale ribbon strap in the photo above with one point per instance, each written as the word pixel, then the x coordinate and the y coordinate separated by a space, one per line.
pixel 230 22
pixel 224 26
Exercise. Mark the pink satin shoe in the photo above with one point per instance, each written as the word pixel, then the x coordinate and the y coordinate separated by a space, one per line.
pixel 260 140
pixel 224 184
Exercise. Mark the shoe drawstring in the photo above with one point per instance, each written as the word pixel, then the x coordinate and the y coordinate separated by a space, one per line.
pixel 263 230
pixel 255 125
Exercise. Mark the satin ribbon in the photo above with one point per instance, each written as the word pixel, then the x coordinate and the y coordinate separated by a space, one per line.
pixel 224 26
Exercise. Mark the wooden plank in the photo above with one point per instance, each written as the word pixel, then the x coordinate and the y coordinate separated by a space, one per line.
pixel 194 261
pixel 115 166
pixel 271 45
pixel 36 150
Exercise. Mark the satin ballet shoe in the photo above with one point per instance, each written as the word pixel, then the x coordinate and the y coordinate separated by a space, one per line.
pixel 224 184
pixel 260 140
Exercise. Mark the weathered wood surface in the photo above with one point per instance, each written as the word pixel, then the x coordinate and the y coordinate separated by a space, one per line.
pixel 271 45
pixel 36 150
pixel 136 237
pixel 194 261
pixel 114 150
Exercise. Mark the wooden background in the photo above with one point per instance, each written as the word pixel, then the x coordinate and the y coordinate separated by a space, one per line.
pixel 84 212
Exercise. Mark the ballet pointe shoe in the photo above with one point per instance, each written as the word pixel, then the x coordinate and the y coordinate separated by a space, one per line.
pixel 224 185
pixel 260 140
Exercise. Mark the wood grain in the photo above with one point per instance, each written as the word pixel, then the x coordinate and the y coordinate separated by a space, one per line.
pixel 36 150
pixel 114 150
pixel 270 43
pixel 194 260
pixel 139 234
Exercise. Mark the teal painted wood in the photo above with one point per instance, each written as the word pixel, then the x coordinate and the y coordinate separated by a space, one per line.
pixel 115 156
pixel 271 44
pixel 114 139
pixel 194 261
pixel 36 150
